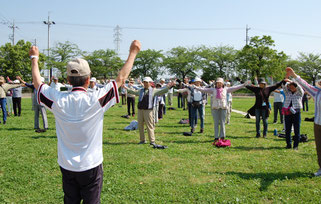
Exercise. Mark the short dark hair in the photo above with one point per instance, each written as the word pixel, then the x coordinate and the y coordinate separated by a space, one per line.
pixel 293 84
pixel 78 80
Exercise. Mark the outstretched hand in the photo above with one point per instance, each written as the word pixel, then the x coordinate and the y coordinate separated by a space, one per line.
pixel 248 82
pixel 172 83
pixel 135 47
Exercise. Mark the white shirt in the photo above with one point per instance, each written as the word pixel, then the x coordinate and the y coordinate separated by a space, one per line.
pixel 56 86
pixel 79 123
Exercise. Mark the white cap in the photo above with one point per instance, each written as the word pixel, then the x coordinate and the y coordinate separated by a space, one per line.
pixel 147 79
pixel 93 79
pixel 16 81
pixel 221 80
pixel 228 83
pixel 162 79
pixel 198 79
pixel 42 79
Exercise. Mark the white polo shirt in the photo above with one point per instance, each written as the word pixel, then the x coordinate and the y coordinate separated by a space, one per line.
pixel 79 123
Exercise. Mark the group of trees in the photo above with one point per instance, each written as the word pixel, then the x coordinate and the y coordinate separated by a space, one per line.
pixel 257 59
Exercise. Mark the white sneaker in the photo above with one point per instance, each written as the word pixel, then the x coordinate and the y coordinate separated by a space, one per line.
pixel 318 173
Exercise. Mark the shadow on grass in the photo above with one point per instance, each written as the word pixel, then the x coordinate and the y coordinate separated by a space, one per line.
pixel 119 143
pixel 188 141
pixel 45 137
pixel 247 148
pixel 266 179
pixel 16 129
pixel 181 125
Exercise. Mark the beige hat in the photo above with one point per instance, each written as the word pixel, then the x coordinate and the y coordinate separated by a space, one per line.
pixel 221 80
pixel 162 79
pixel 131 80
pixel 2 79
pixel 78 67
pixel 147 79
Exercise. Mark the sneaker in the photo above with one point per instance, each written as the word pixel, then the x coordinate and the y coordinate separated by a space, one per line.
pixel 38 130
pixel 264 136
pixel 318 173
pixel 4 122
pixel 192 130
pixel 152 143
pixel 133 115
pixel 274 122
pixel 288 147
pixel 142 142
pixel 202 130
pixel 296 148
pixel 215 141
pixel 258 135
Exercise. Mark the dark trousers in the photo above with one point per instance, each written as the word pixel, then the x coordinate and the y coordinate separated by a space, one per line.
pixel 317 136
pixel 261 113
pixel 123 99
pixel 131 103
pixel 164 108
pixel 84 185
pixel 3 102
pixel 295 120
pixel 194 115
pixel 277 106
pixel 305 104
pixel 16 104
pixel 160 111
pixel 179 100
pixel 189 107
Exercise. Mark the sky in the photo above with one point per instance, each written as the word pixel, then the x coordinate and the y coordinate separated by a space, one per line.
pixel 161 25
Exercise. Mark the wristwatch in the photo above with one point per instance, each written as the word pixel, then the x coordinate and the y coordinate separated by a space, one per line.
pixel 34 56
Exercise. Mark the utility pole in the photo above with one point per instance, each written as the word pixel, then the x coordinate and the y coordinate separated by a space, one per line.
pixel 117 38
pixel 49 23
pixel 247 35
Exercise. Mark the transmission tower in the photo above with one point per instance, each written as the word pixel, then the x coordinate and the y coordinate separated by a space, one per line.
pixel 117 38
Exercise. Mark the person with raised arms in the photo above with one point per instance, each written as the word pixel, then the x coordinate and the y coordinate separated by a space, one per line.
pixel 79 124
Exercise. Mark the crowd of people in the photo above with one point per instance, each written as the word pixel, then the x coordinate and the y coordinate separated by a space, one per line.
pixel 79 112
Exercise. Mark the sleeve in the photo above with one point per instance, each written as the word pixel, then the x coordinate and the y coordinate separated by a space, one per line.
pixel 205 90
pixel 108 95
pixel 30 85
pixel 180 90
pixel 312 90
pixel 132 91
pixel 235 88
pixel 160 91
pixel 251 88
pixel 47 95
pixel 274 87
pixel 300 91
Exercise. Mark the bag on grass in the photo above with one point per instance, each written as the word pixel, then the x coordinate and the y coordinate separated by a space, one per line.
pixel 222 143
pixel 187 133
pixel 132 126
pixel 183 121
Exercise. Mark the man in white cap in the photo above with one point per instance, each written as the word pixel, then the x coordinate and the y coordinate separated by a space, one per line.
pixel 145 108
pixel 4 87
pixel 79 124
pixel 93 86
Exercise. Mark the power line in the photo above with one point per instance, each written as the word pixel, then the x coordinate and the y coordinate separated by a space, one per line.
pixel 286 33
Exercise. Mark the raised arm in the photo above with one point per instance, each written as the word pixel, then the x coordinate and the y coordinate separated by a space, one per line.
pixel 237 87
pixel 164 89
pixel 205 90
pixel 34 56
pixel 124 72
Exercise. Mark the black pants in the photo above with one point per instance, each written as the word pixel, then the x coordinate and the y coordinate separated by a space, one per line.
pixel 278 109
pixel 84 185
pixel 305 104
pixel 179 100
pixel 131 103
pixel 16 104
pixel 123 99
pixel 160 111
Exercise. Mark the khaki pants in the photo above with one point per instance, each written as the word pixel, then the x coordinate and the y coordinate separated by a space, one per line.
pixel 317 136
pixel 147 117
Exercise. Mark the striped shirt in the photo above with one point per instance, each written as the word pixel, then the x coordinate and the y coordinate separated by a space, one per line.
pixel 315 92
pixel 293 98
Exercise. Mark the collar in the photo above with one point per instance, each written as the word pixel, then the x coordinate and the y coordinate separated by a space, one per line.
pixel 79 88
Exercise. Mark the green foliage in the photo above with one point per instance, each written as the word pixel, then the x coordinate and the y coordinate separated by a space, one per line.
pixel 148 63
pixel 182 62
pixel 61 54
pixel 309 66
pixel 259 59
pixel 104 63
pixel 15 61
pixel 218 62
pixel 191 170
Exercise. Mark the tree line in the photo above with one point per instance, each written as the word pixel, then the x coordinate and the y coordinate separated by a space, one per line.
pixel 257 59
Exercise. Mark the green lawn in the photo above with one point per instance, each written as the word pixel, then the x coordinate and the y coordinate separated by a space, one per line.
pixel 191 170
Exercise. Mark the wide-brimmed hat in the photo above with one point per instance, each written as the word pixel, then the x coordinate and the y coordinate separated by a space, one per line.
pixel 219 80
pixel 197 79
pixel 147 79
pixel 262 81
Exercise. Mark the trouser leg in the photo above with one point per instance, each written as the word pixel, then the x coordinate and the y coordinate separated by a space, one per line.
pixel 222 122
pixel 36 118
pixel 140 119
pixel 288 128
pixel 3 102
pixel 15 104
pixel 149 120
pixel 265 122
pixel 19 106
pixel 258 120
pixel 44 117
pixel 317 136
pixel 296 124
pixel 216 118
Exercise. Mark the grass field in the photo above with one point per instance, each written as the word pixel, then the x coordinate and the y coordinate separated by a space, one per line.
pixel 191 170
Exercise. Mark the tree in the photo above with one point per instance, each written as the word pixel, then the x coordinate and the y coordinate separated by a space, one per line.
pixel 310 66
pixel 104 63
pixel 148 63
pixel 15 61
pixel 182 62
pixel 258 59
pixel 61 54
pixel 218 62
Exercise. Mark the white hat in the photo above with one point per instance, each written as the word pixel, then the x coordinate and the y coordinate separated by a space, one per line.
pixel 162 79
pixel 42 79
pixel 221 80
pixel 147 79
pixel 93 79
pixel 78 67
pixel 16 81
pixel 197 79
pixel 228 83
